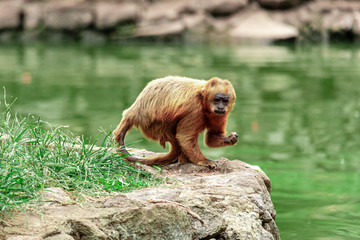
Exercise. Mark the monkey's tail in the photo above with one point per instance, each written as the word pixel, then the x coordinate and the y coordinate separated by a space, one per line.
pixel 119 136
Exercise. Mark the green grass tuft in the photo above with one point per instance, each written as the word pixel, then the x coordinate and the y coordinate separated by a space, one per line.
pixel 35 155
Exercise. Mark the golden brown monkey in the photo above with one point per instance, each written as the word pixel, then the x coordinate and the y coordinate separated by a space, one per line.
pixel 177 110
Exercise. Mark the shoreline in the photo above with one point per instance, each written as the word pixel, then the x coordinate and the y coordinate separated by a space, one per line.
pixel 224 21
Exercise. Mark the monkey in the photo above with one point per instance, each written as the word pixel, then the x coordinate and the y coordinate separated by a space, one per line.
pixel 177 110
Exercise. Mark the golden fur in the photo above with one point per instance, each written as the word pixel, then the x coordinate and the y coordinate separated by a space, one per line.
pixel 176 110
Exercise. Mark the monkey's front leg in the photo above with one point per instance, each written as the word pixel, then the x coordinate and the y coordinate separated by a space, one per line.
pixel 218 139
pixel 187 134
pixel 191 150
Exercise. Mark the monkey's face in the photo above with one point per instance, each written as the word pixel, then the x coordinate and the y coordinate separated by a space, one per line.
pixel 219 104
pixel 219 96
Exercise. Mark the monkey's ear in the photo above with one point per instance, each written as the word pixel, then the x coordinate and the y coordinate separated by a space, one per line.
pixel 213 81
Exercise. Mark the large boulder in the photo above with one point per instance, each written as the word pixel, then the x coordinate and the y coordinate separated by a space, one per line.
pixel 167 10
pixel 32 15
pixel 160 29
pixel 356 27
pixel 10 14
pixel 110 14
pixel 68 15
pixel 194 21
pixel 336 21
pixel 259 25
pixel 164 18
pixel 231 201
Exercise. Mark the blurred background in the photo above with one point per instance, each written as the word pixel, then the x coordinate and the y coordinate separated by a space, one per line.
pixel 295 66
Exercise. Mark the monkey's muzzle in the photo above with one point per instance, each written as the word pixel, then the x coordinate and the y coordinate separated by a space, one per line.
pixel 220 112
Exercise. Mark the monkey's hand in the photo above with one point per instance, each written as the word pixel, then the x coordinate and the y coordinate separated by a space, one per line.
pixel 231 139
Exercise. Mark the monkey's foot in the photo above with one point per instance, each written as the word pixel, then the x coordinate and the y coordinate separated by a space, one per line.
pixel 207 163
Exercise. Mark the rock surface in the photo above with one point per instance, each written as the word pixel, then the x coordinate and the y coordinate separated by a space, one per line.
pixel 231 201
pixel 68 16
pixel 9 14
pixel 110 14
pixel 259 25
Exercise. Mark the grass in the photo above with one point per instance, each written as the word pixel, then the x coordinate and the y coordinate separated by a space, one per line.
pixel 35 155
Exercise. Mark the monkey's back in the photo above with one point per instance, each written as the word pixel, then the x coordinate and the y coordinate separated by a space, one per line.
pixel 165 100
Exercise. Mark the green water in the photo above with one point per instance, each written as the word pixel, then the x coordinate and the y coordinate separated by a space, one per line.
pixel 297 113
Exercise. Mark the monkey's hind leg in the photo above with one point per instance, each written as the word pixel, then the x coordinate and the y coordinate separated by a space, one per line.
pixel 182 158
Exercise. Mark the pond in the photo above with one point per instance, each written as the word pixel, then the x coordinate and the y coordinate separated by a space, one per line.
pixel 297 112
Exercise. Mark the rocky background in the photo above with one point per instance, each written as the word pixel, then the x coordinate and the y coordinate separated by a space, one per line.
pixel 188 20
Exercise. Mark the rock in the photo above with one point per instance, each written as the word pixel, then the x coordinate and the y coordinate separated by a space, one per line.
pixel 231 201
pixel 194 21
pixel 110 14
pixel 336 21
pixel 67 15
pixel 196 26
pixel 61 236
pixel 167 10
pixel 32 15
pixel 324 6
pixel 155 221
pixel 84 227
pixel 298 17
pixel 55 194
pixel 164 18
pixel 279 4
pixel 259 26
pixel 9 14
pixel 356 27
pixel 25 238
pixel 160 29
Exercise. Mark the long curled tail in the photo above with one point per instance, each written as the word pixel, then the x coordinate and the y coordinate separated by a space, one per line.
pixel 119 136
pixel 162 159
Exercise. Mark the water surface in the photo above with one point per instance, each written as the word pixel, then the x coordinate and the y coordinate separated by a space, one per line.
pixel 297 113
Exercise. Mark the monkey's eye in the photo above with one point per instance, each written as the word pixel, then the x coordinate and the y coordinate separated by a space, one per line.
pixel 226 101
pixel 216 100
